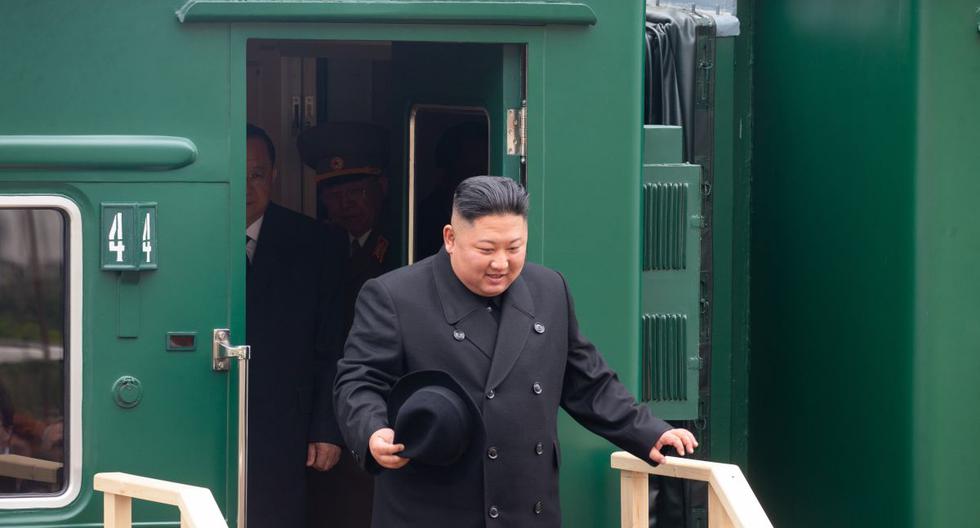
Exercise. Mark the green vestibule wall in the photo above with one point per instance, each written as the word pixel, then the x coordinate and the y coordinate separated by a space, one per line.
pixel 865 246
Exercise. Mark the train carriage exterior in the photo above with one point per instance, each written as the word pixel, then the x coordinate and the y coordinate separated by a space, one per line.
pixel 801 295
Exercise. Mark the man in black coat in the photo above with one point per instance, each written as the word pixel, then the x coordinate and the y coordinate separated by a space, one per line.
pixel 294 327
pixel 507 333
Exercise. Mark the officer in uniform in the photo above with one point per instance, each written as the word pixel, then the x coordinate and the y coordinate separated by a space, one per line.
pixel 506 332
pixel 350 184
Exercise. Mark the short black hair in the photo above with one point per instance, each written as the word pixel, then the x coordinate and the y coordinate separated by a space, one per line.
pixel 252 131
pixel 481 196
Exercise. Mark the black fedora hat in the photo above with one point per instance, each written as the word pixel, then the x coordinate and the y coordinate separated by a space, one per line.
pixel 434 417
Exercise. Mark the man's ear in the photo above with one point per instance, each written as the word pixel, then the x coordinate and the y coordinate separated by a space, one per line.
pixel 448 238
pixel 383 185
pixel 275 174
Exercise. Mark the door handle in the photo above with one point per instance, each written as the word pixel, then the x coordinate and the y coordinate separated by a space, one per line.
pixel 222 352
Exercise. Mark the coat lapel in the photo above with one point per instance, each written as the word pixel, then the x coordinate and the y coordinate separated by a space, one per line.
pixel 516 317
pixel 463 310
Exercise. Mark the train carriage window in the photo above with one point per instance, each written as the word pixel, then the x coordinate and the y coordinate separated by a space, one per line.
pixel 35 340
pixel 716 6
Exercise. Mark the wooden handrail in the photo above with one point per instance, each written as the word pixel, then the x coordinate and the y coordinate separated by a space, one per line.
pixel 731 503
pixel 197 506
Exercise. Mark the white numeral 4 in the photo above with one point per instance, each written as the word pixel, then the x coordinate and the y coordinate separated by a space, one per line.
pixel 116 237
pixel 147 246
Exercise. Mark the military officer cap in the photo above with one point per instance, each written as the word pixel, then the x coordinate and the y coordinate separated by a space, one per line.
pixel 345 150
pixel 434 418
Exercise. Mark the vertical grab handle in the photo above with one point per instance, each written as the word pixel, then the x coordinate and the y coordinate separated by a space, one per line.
pixel 221 355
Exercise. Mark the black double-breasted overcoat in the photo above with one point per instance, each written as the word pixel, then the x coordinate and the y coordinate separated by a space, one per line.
pixel 423 317
pixel 293 324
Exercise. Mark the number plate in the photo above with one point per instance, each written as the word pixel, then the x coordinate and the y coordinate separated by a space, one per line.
pixel 129 236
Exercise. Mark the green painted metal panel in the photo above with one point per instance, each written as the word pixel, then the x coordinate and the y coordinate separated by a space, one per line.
pixel 833 248
pixel 125 105
pixel 663 144
pixel 946 427
pixel 520 12
pixel 671 288
pixel 138 153
pixel 585 103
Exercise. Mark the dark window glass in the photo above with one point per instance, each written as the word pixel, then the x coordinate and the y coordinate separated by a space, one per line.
pixel 33 328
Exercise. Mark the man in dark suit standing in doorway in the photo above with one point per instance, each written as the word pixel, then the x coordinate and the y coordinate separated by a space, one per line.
pixel 294 327
pixel 506 332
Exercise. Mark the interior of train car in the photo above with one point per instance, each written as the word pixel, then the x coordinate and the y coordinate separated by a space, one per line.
pixel 437 116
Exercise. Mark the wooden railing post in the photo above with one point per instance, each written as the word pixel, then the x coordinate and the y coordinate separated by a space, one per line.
pixel 118 511
pixel 717 516
pixel 731 503
pixel 634 499
pixel 196 505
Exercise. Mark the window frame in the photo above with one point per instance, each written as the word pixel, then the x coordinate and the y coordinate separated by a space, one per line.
pixel 73 351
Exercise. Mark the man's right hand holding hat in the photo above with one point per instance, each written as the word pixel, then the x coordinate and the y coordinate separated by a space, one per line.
pixel 384 450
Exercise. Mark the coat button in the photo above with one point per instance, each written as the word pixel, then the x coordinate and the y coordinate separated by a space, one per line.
pixel 539 448
pixel 490 394
pixel 494 512
pixel 492 453
pixel 536 388
pixel 458 335
pixel 538 508
pixel 539 328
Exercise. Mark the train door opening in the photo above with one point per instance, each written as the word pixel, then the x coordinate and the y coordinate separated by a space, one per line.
pixel 370 139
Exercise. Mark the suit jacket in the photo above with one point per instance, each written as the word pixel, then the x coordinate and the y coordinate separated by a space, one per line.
pixel 293 326
pixel 423 317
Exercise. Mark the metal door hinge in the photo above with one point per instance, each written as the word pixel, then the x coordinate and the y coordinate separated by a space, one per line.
pixel 517 131
pixel 222 352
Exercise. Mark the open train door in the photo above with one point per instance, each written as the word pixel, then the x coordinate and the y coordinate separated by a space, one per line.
pixel 461 108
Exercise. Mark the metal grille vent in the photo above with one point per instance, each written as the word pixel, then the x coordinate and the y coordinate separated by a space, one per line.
pixel 664 215
pixel 664 365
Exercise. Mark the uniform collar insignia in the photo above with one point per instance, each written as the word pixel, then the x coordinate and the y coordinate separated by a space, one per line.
pixel 380 248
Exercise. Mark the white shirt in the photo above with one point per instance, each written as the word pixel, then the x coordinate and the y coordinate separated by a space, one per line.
pixel 252 232
pixel 360 240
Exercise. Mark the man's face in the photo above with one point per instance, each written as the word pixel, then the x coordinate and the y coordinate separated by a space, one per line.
pixel 354 205
pixel 488 254
pixel 259 175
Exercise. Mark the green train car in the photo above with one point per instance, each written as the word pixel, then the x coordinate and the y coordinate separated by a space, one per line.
pixel 789 272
